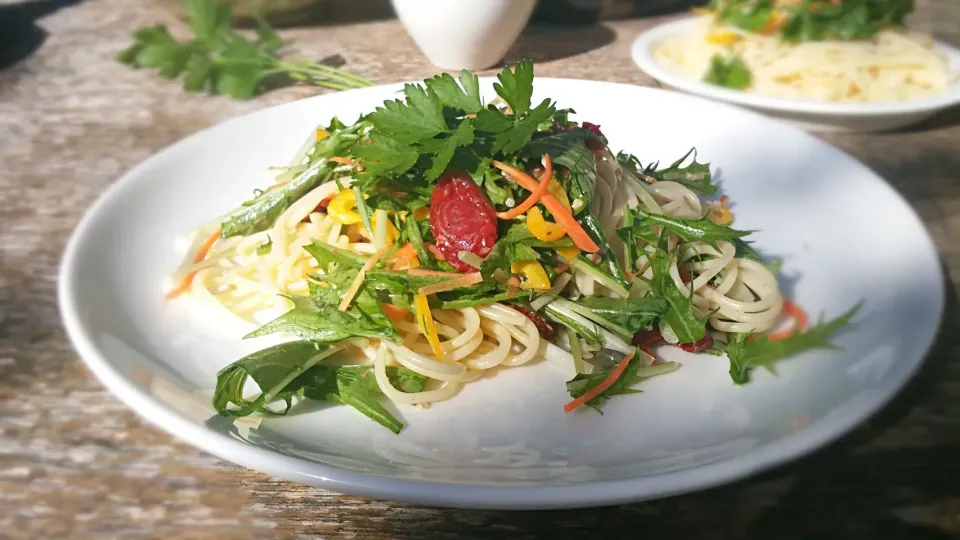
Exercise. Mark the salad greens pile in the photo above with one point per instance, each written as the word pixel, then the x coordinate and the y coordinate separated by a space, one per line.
pixel 405 147
pixel 222 61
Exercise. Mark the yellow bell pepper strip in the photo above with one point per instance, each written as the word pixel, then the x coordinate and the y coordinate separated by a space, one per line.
pixel 343 208
pixel 542 229
pixel 322 134
pixel 723 38
pixel 558 193
pixel 534 276
pixel 569 253
pixel 427 325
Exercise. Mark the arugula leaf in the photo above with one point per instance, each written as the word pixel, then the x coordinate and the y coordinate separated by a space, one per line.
pixel 608 260
pixel 632 374
pixel 680 314
pixel 478 295
pixel 516 87
pixel 746 354
pixel 516 245
pixel 326 254
pixel 357 386
pixel 292 369
pixel 412 234
pixel 695 176
pixel 691 229
pixel 631 313
pixel 273 369
pixel 464 96
pixel 325 323
pixel 730 72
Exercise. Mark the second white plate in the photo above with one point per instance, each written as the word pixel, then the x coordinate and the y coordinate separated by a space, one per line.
pixel 811 115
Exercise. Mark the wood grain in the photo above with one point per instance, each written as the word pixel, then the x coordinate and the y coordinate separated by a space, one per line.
pixel 75 463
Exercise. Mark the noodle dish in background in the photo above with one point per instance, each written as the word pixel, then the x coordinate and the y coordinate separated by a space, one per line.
pixel 827 64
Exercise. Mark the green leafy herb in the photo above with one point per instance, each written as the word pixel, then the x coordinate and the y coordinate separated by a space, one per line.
pixel 691 229
pixel 516 245
pixel 608 259
pixel 631 313
pixel 318 320
pixel 680 314
pixel 478 295
pixel 746 251
pixel 632 374
pixel 222 61
pixel 292 369
pixel 273 369
pixel 746 354
pixel 729 72
pixel 357 387
pixel 326 254
pixel 516 87
pixel 695 176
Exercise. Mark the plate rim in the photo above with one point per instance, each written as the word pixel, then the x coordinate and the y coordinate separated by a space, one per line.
pixel 641 54
pixel 466 495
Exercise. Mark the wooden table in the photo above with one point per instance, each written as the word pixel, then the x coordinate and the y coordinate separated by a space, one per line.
pixel 75 463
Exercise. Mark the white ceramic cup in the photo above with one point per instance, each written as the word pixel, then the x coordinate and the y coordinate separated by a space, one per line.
pixel 464 34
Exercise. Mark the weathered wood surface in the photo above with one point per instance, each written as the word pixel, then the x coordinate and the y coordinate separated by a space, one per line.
pixel 75 463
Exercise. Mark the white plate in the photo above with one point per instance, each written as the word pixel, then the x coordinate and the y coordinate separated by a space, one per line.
pixel 505 442
pixel 809 114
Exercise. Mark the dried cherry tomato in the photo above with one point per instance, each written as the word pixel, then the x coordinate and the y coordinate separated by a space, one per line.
pixel 462 219
pixel 545 328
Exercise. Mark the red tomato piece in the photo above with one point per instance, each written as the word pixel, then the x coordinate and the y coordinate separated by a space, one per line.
pixel 462 219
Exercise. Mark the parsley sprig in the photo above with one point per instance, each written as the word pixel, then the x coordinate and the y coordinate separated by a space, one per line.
pixel 221 61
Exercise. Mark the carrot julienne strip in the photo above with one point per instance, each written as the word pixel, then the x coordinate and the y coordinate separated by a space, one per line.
pixel 464 280
pixel 197 258
pixel 800 321
pixel 564 218
pixel 536 195
pixel 358 281
pixel 612 377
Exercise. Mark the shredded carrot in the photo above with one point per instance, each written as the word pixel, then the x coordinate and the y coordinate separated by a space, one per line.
pixel 405 257
pixel 394 313
pixel 427 325
pixel 197 258
pixel 513 281
pixel 423 272
pixel 535 195
pixel 465 280
pixel 358 281
pixel 600 388
pixel 563 216
pixel 800 321
pixel 346 161
pixel 562 268
pixel 435 252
